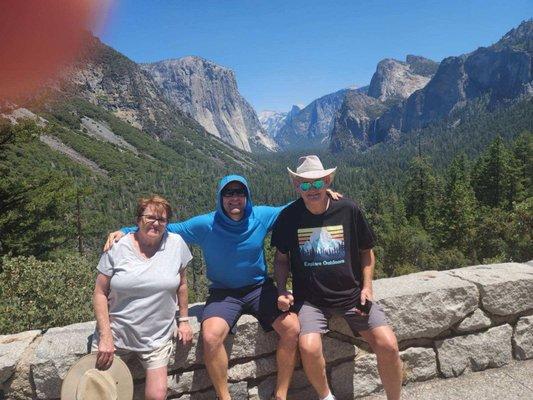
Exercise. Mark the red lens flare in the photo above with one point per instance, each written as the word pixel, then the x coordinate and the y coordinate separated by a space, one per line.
pixel 39 38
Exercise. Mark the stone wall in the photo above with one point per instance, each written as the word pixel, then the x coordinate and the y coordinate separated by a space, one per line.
pixel 448 323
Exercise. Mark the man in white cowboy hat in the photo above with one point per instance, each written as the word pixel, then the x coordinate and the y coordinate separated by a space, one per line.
pixel 85 382
pixel 327 246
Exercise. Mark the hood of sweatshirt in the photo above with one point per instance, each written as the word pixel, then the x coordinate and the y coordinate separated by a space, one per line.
pixel 221 216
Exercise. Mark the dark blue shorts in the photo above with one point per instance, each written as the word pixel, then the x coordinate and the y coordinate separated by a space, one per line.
pixel 260 300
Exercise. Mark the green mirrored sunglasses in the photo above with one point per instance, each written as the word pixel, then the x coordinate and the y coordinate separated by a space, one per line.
pixel 318 184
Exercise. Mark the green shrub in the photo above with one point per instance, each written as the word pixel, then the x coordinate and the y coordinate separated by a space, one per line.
pixel 42 294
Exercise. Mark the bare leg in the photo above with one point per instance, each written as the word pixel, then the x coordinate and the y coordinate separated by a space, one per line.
pixel 214 331
pixel 314 363
pixel 156 384
pixel 288 328
pixel 383 342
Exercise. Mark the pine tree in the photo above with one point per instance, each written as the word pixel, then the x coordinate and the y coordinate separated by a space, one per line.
pixel 523 153
pixel 493 175
pixel 457 213
pixel 420 192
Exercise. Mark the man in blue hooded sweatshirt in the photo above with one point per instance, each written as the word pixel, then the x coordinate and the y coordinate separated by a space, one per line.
pixel 231 239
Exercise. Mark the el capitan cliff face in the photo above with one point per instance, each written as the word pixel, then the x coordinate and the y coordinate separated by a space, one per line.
pixel 208 93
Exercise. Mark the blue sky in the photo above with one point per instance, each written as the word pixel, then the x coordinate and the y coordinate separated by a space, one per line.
pixel 292 52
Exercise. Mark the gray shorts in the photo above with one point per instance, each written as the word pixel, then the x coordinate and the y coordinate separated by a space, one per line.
pixel 315 319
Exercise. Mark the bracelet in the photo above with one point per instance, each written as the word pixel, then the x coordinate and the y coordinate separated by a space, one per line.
pixel 183 319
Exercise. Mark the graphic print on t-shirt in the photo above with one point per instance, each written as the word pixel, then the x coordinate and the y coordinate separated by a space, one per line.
pixel 322 245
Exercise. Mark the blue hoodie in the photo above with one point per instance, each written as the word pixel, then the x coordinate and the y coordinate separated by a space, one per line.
pixel 233 250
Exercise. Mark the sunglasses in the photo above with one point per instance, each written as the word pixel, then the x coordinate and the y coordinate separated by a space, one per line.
pixel 318 184
pixel 241 192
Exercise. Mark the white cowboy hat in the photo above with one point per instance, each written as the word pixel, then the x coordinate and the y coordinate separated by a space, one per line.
pixel 85 382
pixel 310 167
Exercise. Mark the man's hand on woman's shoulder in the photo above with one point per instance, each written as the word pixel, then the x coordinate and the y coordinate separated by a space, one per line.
pixel 112 238
pixel 334 195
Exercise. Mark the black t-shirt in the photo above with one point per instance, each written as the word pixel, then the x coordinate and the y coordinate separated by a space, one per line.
pixel 324 251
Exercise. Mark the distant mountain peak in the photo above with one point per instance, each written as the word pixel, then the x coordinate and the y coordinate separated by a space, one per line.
pixel 190 59
pixel 295 109
pixel 109 79
pixel 520 38
pixel 272 121
pixel 419 91
pixel 489 77
pixel 421 65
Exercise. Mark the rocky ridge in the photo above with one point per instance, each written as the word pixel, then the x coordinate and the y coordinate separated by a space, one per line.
pixel 108 79
pixel 195 94
pixel 355 124
pixel 490 77
pixel 345 118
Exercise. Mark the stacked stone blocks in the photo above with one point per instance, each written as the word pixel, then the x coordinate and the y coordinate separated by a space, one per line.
pixel 447 322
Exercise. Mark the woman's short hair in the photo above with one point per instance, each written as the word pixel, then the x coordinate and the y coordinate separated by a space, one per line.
pixel 159 203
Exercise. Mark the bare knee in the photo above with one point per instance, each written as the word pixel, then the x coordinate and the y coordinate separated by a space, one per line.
pixel 383 342
pixel 387 348
pixel 288 329
pixel 310 345
pixel 212 339
pixel 213 333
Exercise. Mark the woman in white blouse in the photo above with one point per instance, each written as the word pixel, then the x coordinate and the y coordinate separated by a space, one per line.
pixel 139 282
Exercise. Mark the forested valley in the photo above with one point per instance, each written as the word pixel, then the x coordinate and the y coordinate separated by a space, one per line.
pixel 453 194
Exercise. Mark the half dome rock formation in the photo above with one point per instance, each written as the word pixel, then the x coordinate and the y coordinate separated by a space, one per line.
pixel 311 126
pixel 208 93
pixel 272 121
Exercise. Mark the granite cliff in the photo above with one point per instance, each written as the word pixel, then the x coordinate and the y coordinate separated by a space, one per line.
pixel 495 75
pixel 397 80
pixel 393 82
pixel 208 93
pixel 347 115
pixel 354 123
pixel 112 81
pixel 272 121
